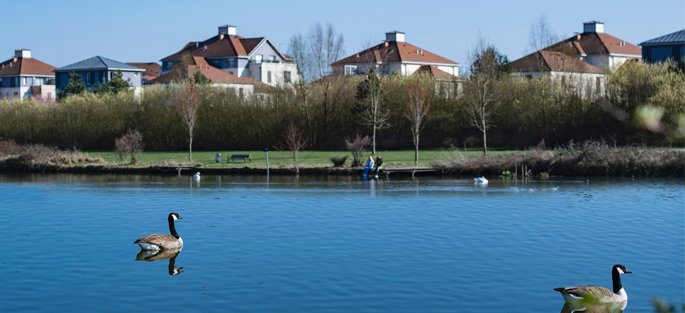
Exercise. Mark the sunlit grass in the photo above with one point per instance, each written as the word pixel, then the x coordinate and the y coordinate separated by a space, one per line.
pixel 394 158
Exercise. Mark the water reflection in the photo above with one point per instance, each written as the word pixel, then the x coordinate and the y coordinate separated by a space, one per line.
pixel 594 307
pixel 156 255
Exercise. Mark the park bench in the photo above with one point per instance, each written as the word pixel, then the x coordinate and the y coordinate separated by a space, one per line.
pixel 243 157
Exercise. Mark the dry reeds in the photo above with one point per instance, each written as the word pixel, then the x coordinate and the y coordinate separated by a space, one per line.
pixel 14 157
pixel 587 159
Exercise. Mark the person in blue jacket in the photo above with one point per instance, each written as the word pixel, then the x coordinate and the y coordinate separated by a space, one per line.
pixel 369 165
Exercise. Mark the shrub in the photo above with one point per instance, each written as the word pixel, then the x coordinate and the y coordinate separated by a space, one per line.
pixel 357 146
pixel 129 144
pixel 339 161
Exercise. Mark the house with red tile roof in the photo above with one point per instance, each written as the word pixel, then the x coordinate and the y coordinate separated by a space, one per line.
pixel 219 78
pixel 152 70
pixel 396 55
pixel 24 77
pixel 579 61
pixel 256 58
pixel 598 48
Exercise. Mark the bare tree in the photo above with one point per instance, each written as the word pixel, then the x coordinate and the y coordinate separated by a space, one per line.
pixel 298 50
pixel 294 141
pixel 418 110
pixel 372 113
pixel 325 47
pixel 541 35
pixel 482 89
pixel 187 106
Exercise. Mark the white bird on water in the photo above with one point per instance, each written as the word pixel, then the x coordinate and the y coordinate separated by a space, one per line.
pixel 481 180
pixel 196 177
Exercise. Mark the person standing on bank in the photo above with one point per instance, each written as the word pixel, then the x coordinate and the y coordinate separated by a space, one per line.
pixel 369 166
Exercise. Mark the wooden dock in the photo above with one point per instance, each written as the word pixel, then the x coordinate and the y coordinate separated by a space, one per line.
pixel 408 170
pixel 173 168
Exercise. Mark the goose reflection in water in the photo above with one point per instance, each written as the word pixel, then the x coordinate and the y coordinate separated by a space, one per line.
pixel 573 307
pixel 156 255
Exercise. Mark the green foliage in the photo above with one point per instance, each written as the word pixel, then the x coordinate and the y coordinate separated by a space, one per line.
pixel 117 84
pixel 75 86
pixel 531 110
pixel 490 62
pixel 201 79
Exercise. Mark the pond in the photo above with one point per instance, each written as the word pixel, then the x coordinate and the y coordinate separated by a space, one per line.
pixel 335 244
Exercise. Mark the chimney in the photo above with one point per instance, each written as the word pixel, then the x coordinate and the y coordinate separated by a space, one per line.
pixel 593 27
pixel 22 53
pixel 394 35
pixel 227 30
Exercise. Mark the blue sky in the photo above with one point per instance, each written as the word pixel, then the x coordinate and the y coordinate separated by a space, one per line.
pixel 63 32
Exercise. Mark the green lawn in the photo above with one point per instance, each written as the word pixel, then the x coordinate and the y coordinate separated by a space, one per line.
pixel 393 158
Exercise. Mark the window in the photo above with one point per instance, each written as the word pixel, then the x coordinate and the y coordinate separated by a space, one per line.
pixel 88 78
pixel 231 63
pixel 258 58
pixel 268 76
pixel 286 77
pixel 23 81
pixel 350 69
pixel 272 58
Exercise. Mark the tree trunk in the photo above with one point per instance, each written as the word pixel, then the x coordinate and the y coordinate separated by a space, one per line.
pixel 485 143
pixel 416 149
pixel 373 141
pixel 190 147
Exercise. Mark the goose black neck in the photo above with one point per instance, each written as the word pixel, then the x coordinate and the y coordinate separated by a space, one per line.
pixel 172 229
pixel 616 279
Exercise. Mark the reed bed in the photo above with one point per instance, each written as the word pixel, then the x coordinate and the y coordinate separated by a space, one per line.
pixel 586 159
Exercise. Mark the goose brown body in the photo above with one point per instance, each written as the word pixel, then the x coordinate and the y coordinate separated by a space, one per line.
pixel 162 241
pixel 596 293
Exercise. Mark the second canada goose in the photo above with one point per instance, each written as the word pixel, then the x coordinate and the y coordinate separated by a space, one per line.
pixel 163 241
pixel 598 294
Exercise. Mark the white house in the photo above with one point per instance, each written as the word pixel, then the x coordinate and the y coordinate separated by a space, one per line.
pixel 598 48
pixel 395 55
pixel 24 77
pixel 256 58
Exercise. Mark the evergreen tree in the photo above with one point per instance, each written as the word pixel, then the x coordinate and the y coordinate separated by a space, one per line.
pixel 75 86
pixel 117 84
pixel 201 79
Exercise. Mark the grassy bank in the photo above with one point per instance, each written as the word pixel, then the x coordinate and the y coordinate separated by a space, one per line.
pixel 394 158
pixel 588 159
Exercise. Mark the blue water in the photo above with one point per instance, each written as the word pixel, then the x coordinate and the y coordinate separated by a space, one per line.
pixel 336 244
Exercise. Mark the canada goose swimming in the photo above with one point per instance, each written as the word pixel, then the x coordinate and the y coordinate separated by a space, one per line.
pixel 163 241
pixel 598 294
pixel 196 177
pixel 480 180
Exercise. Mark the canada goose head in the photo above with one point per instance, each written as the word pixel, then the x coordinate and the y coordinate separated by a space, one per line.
pixel 620 269
pixel 174 216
